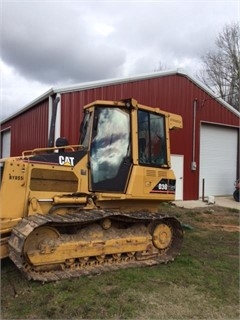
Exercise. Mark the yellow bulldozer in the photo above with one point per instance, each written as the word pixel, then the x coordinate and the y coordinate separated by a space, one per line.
pixel 71 210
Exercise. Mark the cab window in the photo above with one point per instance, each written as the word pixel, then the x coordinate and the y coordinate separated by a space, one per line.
pixel 110 149
pixel 151 139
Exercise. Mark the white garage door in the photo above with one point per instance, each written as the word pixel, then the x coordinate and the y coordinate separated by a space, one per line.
pixel 6 143
pixel 218 159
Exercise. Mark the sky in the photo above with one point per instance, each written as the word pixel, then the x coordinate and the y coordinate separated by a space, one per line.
pixel 52 43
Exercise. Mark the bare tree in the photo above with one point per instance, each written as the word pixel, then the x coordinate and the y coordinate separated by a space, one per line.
pixel 161 67
pixel 221 66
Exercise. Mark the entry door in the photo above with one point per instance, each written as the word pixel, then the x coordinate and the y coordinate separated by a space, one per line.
pixel 6 144
pixel 177 166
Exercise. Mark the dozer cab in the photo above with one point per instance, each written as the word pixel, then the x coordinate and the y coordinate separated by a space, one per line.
pixel 80 209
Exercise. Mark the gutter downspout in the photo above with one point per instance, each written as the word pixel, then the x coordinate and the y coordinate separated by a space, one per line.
pixel 194 164
pixel 51 138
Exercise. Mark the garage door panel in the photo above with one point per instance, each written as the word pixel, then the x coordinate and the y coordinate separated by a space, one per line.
pixel 218 159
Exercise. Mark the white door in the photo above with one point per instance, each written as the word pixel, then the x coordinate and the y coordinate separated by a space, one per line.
pixel 6 143
pixel 218 159
pixel 177 166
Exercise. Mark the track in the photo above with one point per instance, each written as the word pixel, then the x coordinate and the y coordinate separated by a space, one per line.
pixel 62 246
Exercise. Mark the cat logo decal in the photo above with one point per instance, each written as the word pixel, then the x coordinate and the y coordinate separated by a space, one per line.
pixel 66 161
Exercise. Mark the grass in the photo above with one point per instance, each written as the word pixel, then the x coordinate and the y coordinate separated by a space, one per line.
pixel 202 283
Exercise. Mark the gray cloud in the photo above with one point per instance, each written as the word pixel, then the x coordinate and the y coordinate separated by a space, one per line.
pixel 54 45
pixel 47 43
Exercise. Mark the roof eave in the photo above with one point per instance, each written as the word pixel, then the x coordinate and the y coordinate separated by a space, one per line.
pixel 211 93
pixel 100 83
pixel 113 81
pixel 28 106
pixel 180 71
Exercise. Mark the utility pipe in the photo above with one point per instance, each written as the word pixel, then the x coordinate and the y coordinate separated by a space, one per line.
pixel 193 164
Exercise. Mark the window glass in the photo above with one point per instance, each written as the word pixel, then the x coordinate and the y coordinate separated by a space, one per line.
pixel 86 129
pixel 110 144
pixel 151 139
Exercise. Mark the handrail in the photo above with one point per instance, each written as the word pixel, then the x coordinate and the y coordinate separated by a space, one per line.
pixel 41 150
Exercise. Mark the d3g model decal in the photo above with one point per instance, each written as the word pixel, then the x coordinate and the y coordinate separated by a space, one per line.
pixel 167 186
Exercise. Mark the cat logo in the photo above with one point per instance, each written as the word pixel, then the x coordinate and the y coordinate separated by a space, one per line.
pixel 66 161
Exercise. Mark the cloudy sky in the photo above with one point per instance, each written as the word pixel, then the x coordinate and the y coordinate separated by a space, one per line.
pixel 49 43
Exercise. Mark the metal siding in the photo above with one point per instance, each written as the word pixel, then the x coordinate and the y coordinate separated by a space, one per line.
pixel 29 130
pixel 174 93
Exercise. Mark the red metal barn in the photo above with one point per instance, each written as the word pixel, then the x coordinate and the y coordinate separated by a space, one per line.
pixel 205 151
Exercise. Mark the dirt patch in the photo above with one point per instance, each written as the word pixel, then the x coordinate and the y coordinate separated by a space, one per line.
pixel 208 218
pixel 225 227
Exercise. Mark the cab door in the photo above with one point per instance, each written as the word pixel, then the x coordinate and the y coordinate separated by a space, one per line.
pixel 110 150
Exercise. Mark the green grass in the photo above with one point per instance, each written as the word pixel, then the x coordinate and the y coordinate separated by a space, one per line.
pixel 202 283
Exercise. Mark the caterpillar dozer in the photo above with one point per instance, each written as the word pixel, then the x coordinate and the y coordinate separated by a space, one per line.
pixel 72 210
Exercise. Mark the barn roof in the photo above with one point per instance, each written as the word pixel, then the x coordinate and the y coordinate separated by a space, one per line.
pixel 107 82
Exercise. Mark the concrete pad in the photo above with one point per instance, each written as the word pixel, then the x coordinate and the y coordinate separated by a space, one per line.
pixel 227 202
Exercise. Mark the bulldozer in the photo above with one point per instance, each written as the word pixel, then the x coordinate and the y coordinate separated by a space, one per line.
pixel 72 210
